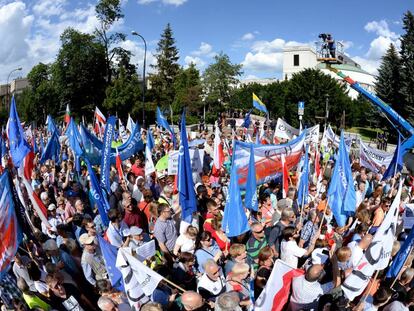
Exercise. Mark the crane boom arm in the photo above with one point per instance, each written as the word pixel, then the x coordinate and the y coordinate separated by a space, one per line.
pixel 392 115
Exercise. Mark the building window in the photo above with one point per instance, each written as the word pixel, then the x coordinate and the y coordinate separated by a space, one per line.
pixel 296 60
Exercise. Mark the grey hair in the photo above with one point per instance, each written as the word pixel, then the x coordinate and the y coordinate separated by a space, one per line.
pixel 227 302
pixel 104 301
pixel 287 213
pixel 209 263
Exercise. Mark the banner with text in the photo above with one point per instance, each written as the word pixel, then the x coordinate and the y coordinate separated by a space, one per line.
pixel 373 158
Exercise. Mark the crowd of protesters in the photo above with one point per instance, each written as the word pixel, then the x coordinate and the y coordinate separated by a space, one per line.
pixel 61 266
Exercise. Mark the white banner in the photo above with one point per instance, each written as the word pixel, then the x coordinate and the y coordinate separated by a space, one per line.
pixel 408 216
pixel 197 161
pixel 284 130
pixel 312 134
pixel 373 158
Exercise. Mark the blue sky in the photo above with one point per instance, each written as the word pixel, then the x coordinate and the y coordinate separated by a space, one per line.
pixel 250 32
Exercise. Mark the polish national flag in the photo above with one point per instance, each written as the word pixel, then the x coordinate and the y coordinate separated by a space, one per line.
pixel 218 150
pixel 118 163
pixel 317 164
pixel 285 177
pixel 276 293
pixel 67 115
pixel 99 116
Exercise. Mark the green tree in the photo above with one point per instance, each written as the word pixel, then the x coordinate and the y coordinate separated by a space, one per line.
pixel 166 69
pixel 312 86
pixel 79 72
pixel 41 98
pixel 219 82
pixel 108 12
pixel 407 62
pixel 124 95
pixel 188 91
pixel 388 83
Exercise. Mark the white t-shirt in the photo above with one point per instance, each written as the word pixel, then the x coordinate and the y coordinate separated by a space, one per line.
pixel 395 306
pixel 290 252
pixel 186 244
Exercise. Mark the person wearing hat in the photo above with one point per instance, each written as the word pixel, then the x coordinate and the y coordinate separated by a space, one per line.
pixel 92 261
pixel 134 237
pixel 60 258
pixel 53 220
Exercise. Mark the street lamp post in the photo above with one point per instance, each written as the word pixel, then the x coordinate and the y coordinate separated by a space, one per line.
pixel 9 86
pixel 134 33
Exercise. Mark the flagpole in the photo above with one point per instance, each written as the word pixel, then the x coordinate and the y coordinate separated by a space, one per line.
pixel 369 289
pixel 173 284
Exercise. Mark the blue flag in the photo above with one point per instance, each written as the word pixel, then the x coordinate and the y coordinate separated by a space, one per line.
pixel 304 180
pixel 10 231
pixel 74 138
pixel 396 164
pixel 150 140
pixel 35 147
pixel 19 147
pixel 3 148
pixel 97 195
pixel 250 200
pixel 42 143
pixel 247 120
pixel 52 150
pixel 51 125
pixel 341 192
pixel 109 253
pixel 106 153
pixel 401 256
pixel 188 201
pixel 234 219
pixel 162 121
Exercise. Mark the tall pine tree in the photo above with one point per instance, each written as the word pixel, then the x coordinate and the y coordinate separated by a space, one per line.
pixel 407 70
pixel 388 84
pixel 166 69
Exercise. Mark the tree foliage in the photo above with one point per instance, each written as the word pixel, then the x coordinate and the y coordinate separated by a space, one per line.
pixel 79 72
pixel 109 12
pixel 407 63
pixel 188 91
pixel 388 81
pixel 166 69
pixel 219 82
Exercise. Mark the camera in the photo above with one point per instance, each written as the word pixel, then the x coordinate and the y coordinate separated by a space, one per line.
pixel 323 36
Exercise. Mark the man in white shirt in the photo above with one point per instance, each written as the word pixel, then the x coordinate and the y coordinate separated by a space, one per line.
pixel 360 193
pixel 116 228
pixel 358 249
pixel 212 283
pixel 289 249
pixel 306 289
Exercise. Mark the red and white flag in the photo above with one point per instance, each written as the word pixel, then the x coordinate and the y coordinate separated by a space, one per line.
pixel 99 116
pixel 317 164
pixel 218 151
pixel 285 176
pixel 118 163
pixel 276 293
pixel 67 115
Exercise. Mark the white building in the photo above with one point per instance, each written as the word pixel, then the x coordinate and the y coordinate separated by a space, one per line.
pixel 298 58
pixel 263 81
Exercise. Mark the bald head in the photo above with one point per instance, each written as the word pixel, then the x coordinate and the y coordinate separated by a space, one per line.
pixel 191 300
pixel 365 241
pixel 313 274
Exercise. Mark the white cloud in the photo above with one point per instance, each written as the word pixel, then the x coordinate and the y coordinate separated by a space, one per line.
pixel 263 62
pixel 15 26
pixel 196 60
pixel 137 58
pixel 166 2
pixel 49 7
pixel 248 36
pixel 267 56
pixel 371 60
pixel 380 28
pixel 205 49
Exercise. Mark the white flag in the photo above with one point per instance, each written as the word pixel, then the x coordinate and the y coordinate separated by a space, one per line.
pixel 139 280
pixel 149 164
pixel 284 130
pixel 122 131
pixel 378 254
pixel 130 124
pixel 373 158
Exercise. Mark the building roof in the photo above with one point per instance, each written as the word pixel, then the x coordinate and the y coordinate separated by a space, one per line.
pixel 344 67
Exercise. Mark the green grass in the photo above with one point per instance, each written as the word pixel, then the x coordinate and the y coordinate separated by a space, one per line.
pixel 365 132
